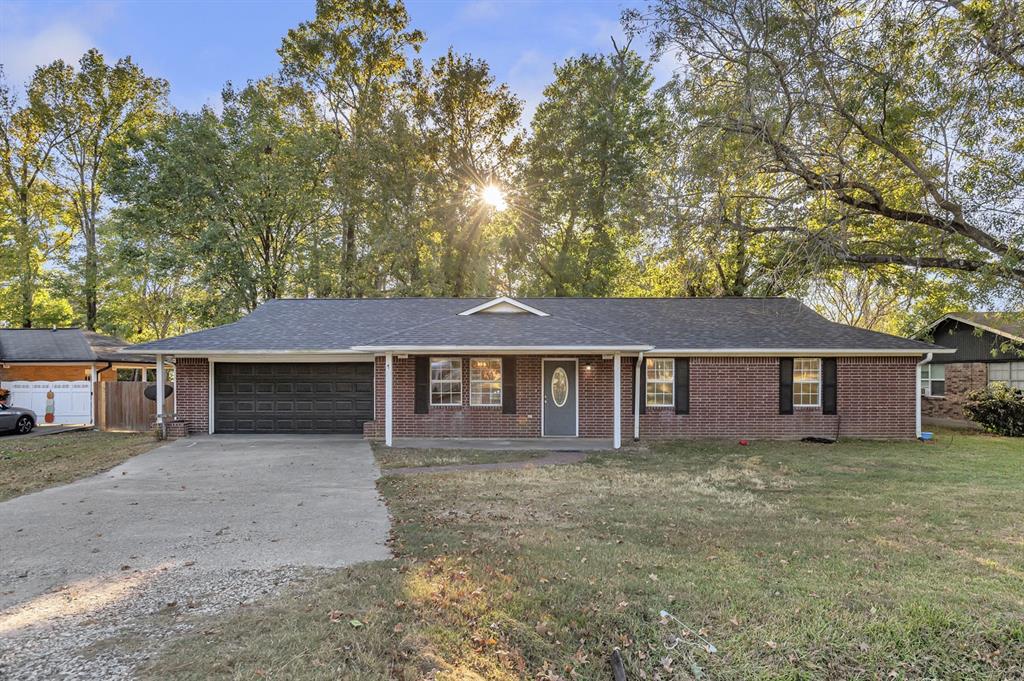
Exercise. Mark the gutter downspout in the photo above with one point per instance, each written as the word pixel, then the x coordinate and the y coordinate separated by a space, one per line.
pixel 917 401
pixel 636 399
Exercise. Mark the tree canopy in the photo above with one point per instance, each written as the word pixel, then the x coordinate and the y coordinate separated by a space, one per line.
pixel 866 156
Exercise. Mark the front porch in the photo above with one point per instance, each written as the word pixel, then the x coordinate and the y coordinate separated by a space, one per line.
pixel 538 444
pixel 553 402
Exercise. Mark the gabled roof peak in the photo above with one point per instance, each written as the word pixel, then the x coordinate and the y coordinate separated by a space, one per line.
pixel 503 305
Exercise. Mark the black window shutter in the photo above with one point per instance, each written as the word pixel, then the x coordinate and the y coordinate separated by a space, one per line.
pixel 828 387
pixel 643 387
pixel 682 385
pixel 422 405
pixel 508 385
pixel 785 385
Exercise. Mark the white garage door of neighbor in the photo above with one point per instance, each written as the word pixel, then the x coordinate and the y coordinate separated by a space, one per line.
pixel 72 400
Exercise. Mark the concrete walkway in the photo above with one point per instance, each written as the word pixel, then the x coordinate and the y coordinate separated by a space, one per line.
pixel 553 459
pixel 540 444
pixel 216 502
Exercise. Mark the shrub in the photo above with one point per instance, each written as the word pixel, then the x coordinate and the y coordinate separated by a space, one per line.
pixel 4 394
pixel 998 408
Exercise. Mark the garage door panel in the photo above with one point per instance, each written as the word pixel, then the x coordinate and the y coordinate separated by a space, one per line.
pixel 292 398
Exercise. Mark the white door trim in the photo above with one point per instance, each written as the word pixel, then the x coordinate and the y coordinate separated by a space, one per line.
pixel 543 392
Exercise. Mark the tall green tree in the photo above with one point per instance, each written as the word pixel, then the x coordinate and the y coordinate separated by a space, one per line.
pixel 349 59
pixel 470 128
pixel 95 108
pixel 236 193
pixel 593 161
pixel 31 206
pixel 892 128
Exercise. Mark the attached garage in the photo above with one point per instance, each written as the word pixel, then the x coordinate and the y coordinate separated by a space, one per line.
pixel 296 397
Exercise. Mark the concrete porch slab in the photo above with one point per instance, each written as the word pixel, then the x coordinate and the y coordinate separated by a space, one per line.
pixel 540 444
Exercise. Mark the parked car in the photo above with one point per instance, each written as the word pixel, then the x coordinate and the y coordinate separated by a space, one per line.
pixel 18 419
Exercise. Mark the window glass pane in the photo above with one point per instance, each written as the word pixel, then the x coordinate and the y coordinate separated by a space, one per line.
pixel 661 381
pixel 999 372
pixel 806 381
pixel 938 388
pixel 485 382
pixel 938 371
pixel 445 381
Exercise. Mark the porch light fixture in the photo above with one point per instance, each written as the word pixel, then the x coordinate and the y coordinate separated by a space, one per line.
pixel 588 366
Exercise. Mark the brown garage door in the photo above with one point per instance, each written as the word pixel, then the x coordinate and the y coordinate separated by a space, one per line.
pixel 292 398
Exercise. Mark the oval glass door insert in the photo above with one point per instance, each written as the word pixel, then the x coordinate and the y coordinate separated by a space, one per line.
pixel 559 387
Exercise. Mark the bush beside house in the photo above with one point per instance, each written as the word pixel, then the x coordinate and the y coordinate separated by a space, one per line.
pixel 998 409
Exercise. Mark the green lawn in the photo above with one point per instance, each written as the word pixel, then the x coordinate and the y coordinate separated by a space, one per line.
pixel 28 464
pixel 860 560
pixel 402 457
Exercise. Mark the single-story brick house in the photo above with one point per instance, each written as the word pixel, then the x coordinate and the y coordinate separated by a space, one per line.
pixel 546 367
pixel 987 347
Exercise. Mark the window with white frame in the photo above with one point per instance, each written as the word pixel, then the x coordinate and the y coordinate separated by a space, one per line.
pixel 661 382
pixel 933 380
pixel 806 382
pixel 485 382
pixel 445 381
pixel 1010 373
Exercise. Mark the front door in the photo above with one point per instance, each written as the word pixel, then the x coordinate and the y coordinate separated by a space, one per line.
pixel 560 398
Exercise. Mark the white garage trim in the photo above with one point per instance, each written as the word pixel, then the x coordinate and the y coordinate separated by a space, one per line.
pixel 209 399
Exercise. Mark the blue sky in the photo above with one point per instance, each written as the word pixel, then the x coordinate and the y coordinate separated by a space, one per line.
pixel 198 46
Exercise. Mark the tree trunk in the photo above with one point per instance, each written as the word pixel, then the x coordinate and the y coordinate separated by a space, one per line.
pixel 26 277
pixel 91 277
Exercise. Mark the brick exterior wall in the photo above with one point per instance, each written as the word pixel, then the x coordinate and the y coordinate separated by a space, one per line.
pixel 961 378
pixel 192 393
pixel 729 397
pixel 41 372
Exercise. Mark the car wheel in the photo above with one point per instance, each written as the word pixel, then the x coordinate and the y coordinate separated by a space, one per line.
pixel 24 425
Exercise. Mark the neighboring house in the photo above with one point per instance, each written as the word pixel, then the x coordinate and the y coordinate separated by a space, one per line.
pixel 988 347
pixel 66 363
pixel 564 367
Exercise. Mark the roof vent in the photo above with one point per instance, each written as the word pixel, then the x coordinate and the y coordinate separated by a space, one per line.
pixel 503 305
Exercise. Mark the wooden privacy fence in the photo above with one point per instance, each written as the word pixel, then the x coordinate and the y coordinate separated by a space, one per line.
pixel 121 405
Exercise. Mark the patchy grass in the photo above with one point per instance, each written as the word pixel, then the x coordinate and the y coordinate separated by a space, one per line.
pixel 409 457
pixel 860 560
pixel 28 464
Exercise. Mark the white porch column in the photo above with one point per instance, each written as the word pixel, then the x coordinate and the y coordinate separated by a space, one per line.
pixel 160 393
pixel 388 389
pixel 617 401
pixel 95 394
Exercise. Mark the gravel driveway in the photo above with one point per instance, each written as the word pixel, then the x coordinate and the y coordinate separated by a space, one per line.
pixel 93 575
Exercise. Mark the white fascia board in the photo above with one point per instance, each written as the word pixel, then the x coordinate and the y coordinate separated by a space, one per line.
pixel 505 349
pixel 276 356
pixel 504 300
pixel 792 352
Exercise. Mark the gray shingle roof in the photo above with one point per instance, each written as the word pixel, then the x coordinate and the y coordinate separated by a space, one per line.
pixel 1009 323
pixel 44 345
pixel 707 324
pixel 63 345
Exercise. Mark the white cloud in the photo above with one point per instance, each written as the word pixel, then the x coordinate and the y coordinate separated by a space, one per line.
pixel 21 54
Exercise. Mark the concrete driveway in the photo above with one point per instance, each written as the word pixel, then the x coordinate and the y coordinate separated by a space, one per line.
pixel 211 503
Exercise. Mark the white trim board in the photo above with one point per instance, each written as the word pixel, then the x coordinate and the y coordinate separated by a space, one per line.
pixel 504 305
